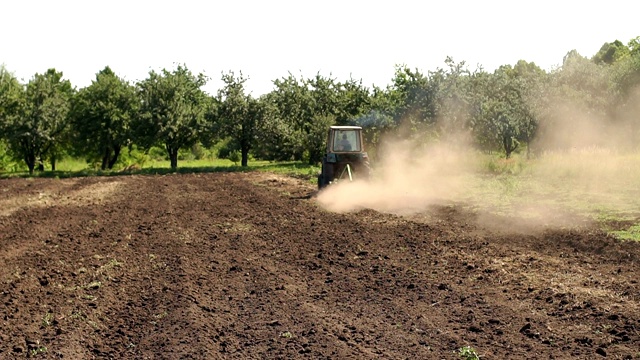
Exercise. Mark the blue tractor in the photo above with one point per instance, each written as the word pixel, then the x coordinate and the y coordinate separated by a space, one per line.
pixel 345 158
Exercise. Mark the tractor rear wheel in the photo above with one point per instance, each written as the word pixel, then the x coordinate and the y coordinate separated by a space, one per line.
pixel 326 175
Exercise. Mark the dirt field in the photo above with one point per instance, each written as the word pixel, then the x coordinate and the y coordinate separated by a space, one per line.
pixel 249 266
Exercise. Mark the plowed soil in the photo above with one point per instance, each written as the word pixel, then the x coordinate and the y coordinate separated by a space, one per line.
pixel 249 266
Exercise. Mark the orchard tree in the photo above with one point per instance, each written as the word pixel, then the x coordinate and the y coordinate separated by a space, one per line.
pixel 291 105
pixel 354 102
pixel 278 138
pixel 452 100
pixel 625 87
pixel 11 98
pixel 582 82
pixel 531 85
pixel 495 124
pixel 610 53
pixel 240 116
pixel 577 104
pixel 325 96
pixel 508 105
pixel 101 117
pixel 412 102
pixel 327 109
pixel 316 137
pixel 171 111
pixel 626 73
pixel 37 130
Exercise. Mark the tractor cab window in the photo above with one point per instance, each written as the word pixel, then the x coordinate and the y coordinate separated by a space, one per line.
pixel 346 140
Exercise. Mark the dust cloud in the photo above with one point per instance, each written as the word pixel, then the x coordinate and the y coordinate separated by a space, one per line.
pixel 585 166
pixel 407 179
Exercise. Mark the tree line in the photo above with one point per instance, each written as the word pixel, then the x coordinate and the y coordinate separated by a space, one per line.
pixel 505 110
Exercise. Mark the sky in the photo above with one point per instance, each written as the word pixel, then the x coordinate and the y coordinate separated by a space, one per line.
pixel 266 40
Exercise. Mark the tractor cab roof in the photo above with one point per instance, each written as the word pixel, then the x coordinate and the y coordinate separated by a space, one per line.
pixel 346 128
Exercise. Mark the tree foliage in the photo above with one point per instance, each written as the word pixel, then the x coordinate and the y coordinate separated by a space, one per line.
pixel 290 105
pixel 171 111
pixel 101 117
pixel 505 105
pixel 11 98
pixel 609 53
pixel 577 104
pixel 36 130
pixel 411 101
pixel 494 124
pixel 239 116
pixel 452 98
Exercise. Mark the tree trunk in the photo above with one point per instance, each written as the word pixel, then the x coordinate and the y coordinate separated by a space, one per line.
pixel 31 162
pixel 245 158
pixel 173 156
pixel 105 159
pixel 114 159
pixel 41 164
pixel 53 163
pixel 509 145
pixel 244 150
pixel 174 160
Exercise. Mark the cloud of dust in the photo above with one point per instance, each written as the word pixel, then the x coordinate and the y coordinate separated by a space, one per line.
pixel 592 160
pixel 572 126
pixel 408 178
pixel 590 165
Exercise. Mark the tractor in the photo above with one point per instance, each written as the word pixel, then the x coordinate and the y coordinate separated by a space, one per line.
pixel 345 158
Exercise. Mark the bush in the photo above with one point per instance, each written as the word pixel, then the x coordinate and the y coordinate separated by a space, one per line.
pixel 499 165
pixel 224 148
pixel 234 156
pixel 7 163
pixel 198 151
pixel 158 154
pixel 5 159
pixel 185 154
pixel 132 156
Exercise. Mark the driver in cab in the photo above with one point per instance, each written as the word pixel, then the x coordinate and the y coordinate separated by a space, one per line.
pixel 344 144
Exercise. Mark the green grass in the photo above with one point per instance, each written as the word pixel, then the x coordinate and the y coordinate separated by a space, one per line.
pixel 632 233
pixel 204 163
pixel 468 353
pixel 47 319
pixel 75 168
pixel 71 165
pixel 38 350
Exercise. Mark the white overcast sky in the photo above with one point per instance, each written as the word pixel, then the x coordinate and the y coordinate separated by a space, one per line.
pixel 268 39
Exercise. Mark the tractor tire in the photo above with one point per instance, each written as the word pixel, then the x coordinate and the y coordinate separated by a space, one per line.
pixel 325 177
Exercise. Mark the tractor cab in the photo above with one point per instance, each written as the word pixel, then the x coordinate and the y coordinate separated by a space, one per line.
pixel 344 139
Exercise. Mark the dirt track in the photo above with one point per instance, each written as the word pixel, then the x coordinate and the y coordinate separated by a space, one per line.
pixel 248 266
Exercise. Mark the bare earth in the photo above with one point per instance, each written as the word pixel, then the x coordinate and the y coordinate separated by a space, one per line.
pixel 249 266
